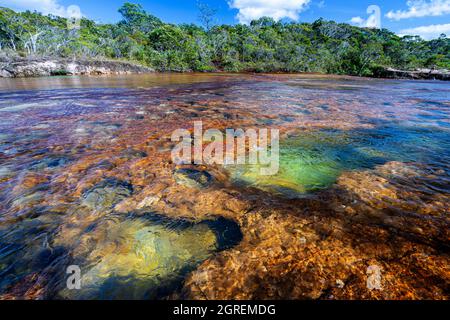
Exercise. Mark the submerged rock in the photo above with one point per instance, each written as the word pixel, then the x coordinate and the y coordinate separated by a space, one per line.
pixel 393 186
pixel 106 194
pixel 307 164
pixel 149 259
pixel 50 162
pixel 133 153
pixel 28 200
pixel 192 178
pixel 102 165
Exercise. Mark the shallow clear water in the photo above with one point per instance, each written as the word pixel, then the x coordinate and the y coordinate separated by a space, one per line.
pixel 313 161
pixel 72 158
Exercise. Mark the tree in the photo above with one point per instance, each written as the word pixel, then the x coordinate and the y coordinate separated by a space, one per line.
pixel 206 15
pixel 265 45
pixel 136 19
pixel 369 54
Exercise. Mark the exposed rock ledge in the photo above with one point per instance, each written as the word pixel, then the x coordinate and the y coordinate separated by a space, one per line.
pixel 420 74
pixel 57 67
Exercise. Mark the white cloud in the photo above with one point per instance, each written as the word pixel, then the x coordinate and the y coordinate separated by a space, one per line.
pixel 421 8
pixel 358 20
pixel 427 32
pixel 371 22
pixel 43 6
pixel 277 9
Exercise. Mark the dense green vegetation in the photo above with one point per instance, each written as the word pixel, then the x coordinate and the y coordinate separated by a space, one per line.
pixel 263 46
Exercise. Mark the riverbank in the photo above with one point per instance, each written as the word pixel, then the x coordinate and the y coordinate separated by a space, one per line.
pixel 44 67
pixel 420 74
pixel 40 67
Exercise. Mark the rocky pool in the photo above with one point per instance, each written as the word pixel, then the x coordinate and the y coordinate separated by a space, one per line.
pixel 87 179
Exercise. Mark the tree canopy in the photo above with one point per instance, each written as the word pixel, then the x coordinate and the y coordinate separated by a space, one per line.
pixel 265 45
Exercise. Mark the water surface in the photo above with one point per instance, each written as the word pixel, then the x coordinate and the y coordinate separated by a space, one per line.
pixel 86 177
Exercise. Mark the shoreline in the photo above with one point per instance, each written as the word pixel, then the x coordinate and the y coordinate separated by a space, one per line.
pixel 51 67
pixel 48 67
pixel 421 74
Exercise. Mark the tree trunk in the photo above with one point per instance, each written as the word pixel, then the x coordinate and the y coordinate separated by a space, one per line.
pixel 13 44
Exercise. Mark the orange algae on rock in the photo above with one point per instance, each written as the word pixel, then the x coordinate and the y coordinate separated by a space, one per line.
pixel 389 214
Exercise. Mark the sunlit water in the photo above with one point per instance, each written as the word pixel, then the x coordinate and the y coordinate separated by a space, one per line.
pixel 68 147
pixel 313 161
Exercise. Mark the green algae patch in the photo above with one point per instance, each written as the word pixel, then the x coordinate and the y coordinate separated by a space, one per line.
pixel 308 163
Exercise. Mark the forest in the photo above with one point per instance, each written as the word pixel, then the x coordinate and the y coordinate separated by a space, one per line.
pixel 265 45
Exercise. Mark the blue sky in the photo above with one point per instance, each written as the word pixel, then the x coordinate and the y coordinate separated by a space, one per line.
pixel 428 18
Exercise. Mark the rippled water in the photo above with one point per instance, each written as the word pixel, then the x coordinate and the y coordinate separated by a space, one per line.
pixel 86 177
pixel 314 160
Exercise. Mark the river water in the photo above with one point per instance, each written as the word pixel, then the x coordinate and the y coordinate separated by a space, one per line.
pixel 86 180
